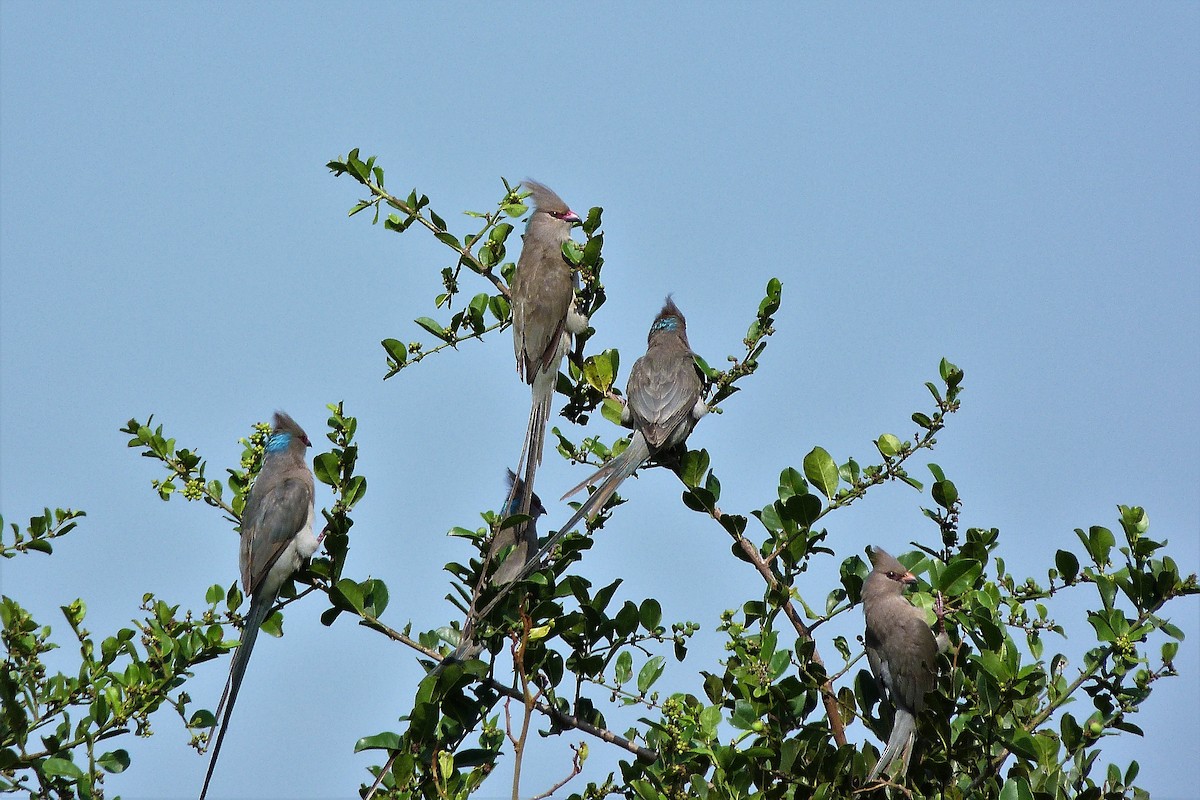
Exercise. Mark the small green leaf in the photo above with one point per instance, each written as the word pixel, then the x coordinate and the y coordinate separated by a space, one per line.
pixel 821 471
pixel 380 741
pixel 396 349
pixel 694 465
pixel 114 761
pixel 945 494
pixel 600 370
pixel 959 576
pixel 612 410
pixel 710 720
pixel 61 768
pixel 273 625
pixel 327 469
pixel 433 327
pixel 349 592
pixel 624 668
pixel 1067 564
pixel 888 445
pixel 791 483
pixel 1016 789
pixel 651 614
pixel 650 673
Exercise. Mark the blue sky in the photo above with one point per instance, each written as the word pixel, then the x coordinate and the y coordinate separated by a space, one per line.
pixel 1015 188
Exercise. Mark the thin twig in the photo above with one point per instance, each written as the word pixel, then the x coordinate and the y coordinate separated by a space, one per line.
pixel 563 719
pixel 1044 714
pixel 576 768
pixel 827 694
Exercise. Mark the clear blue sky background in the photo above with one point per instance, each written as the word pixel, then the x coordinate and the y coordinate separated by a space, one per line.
pixel 1015 188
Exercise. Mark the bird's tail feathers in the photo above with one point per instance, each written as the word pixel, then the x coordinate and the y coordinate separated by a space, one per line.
pixel 614 473
pixel 904 732
pixel 618 470
pixel 535 440
pixel 591 480
pixel 259 610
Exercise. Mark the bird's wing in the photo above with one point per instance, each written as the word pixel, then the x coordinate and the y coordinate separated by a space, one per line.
pixel 270 520
pixel 542 295
pixel 910 650
pixel 662 392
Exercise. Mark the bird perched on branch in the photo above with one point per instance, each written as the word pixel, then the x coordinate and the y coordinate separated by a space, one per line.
pixel 523 540
pixel 902 652
pixel 544 318
pixel 277 537
pixel 522 537
pixel 663 404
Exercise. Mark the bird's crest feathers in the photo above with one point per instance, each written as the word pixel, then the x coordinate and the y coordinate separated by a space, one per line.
pixel 670 318
pixel 885 563
pixel 517 488
pixel 544 198
pixel 281 434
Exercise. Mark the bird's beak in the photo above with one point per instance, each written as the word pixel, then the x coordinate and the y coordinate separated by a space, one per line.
pixel 307 443
pixel 909 579
pixel 571 216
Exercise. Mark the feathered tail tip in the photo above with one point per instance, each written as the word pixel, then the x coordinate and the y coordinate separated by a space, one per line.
pixel 899 745
pixel 669 319
pixel 544 198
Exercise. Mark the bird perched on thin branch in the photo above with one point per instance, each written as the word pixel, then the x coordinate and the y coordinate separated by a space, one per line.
pixel 902 652
pixel 523 537
pixel 523 540
pixel 277 537
pixel 663 404
pixel 544 318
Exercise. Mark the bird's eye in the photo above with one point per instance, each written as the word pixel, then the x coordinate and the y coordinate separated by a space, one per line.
pixel 891 575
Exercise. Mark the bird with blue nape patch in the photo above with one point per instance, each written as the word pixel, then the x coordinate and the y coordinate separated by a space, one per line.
pixel 663 404
pixel 277 537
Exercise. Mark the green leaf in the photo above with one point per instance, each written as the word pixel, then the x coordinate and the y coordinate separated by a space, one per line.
pixel 821 471
pixel 327 469
pixel 959 576
pixel 651 614
pixel 694 465
pixel 1067 564
pixel 888 445
pixel 600 370
pixel 350 593
pixel 273 625
pixel 215 594
pixel 61 768
pixel 710 720
pixel 791 483
pixel 624 668
pixel 114 761
pixel 1016 789
pixel 396 349
pixel 945 494
pixel 380 741
pixel 572 252
pixel 433 327
pixel 612 410
pixel 650 673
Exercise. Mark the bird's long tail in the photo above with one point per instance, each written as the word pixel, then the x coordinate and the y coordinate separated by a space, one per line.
pixel 259 609
pixel 610 476
pixel 535 435
pixel 904 733
pixel 614 472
